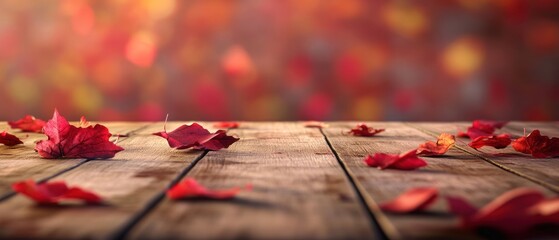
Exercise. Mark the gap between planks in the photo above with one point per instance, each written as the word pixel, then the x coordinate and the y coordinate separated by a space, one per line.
pixel 551 187
pixel 384 228
pixel 125 229
pixel 11 193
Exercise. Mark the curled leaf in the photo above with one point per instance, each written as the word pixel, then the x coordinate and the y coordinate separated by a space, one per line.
pixel 9 139
pixel 513 213
pixel 190 188
pixel 28 124
pixel 226 125
pixel 54 192
pixel 537 145
pixel 197 137
pixel 496 141
pixel 364 130
pixel 315 124
pixel 444 142
pixel 413 200
pixel 405 161
pixel 481 128
pixel 67 141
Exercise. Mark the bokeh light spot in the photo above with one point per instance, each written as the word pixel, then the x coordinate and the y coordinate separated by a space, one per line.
pixel 463 57
pixel 86 99
pixel 24 90
pixel 141 49
pixel 405 19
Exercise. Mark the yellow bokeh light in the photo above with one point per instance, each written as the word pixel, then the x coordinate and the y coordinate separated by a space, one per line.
pixel 86 99
pixel 406 20
pixel 158 9
pixel 24 90
pixel 366 108
pixel 463 57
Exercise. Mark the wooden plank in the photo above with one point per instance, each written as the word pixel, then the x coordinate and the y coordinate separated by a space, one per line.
pixel 22 162
pixel 456 173
pixel 542 171
pixel 127 182
pixel 300 192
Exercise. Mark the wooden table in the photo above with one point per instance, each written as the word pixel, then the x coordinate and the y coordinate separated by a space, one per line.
pixel 309 183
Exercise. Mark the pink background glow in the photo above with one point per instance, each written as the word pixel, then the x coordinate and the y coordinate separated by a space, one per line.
pixel 280 60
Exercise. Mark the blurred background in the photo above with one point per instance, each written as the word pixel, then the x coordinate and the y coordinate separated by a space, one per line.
pixel 280 59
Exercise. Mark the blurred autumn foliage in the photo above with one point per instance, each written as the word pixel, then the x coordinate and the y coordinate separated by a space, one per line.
pixel 280 59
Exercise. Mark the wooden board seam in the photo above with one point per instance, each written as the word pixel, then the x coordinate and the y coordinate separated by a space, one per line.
pixel 379 221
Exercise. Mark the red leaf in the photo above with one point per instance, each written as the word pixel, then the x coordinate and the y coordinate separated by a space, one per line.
pixel 197 137
pixel 9 139
pixel 226 125
pixel 190 188
pixel 547 210
pixel 496 141
pixel 67 141
pixel 413 200
pixel 315 124
pixel 53 192
pixel 482 128
pixel 405 161
pixel 28 124
pixel 513 213
pixel 365 131
pixel 537 145
pixel 444 142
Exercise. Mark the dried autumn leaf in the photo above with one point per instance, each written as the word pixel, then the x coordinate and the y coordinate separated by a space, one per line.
pixel 9 139
pixel 405 161
pixel 315 124
pixel 67 141
pixel 496 141
pixel 444 142
pixel 512 213
pixel 226 125
pixel 197 137
pixel 413 200
pixel 28 124
pixel 54 192
pixel 537 145
pixel 190 188
pixel 481 128
pixel 364 130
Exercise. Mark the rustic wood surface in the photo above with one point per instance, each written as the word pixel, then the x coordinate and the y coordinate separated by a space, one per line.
pixel 308 183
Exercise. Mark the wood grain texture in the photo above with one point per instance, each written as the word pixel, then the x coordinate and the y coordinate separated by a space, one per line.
pixel 456 173
pixel 300 192
pixel 22 162
pixel 126 182
pixel 543 171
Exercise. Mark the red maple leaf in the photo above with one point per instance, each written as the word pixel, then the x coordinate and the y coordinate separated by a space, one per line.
pixel 364 130
pixel 482 128
pixel 190 188
pixel 54 192
pixel 413 200
pixel 537 145
pixel 9 139
pixel 67 141
pixel 226 125
pixel 197 137
pixel 444 142
pixel 512 213
pixel 28 124
pixel 404 161
pixel 496 141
